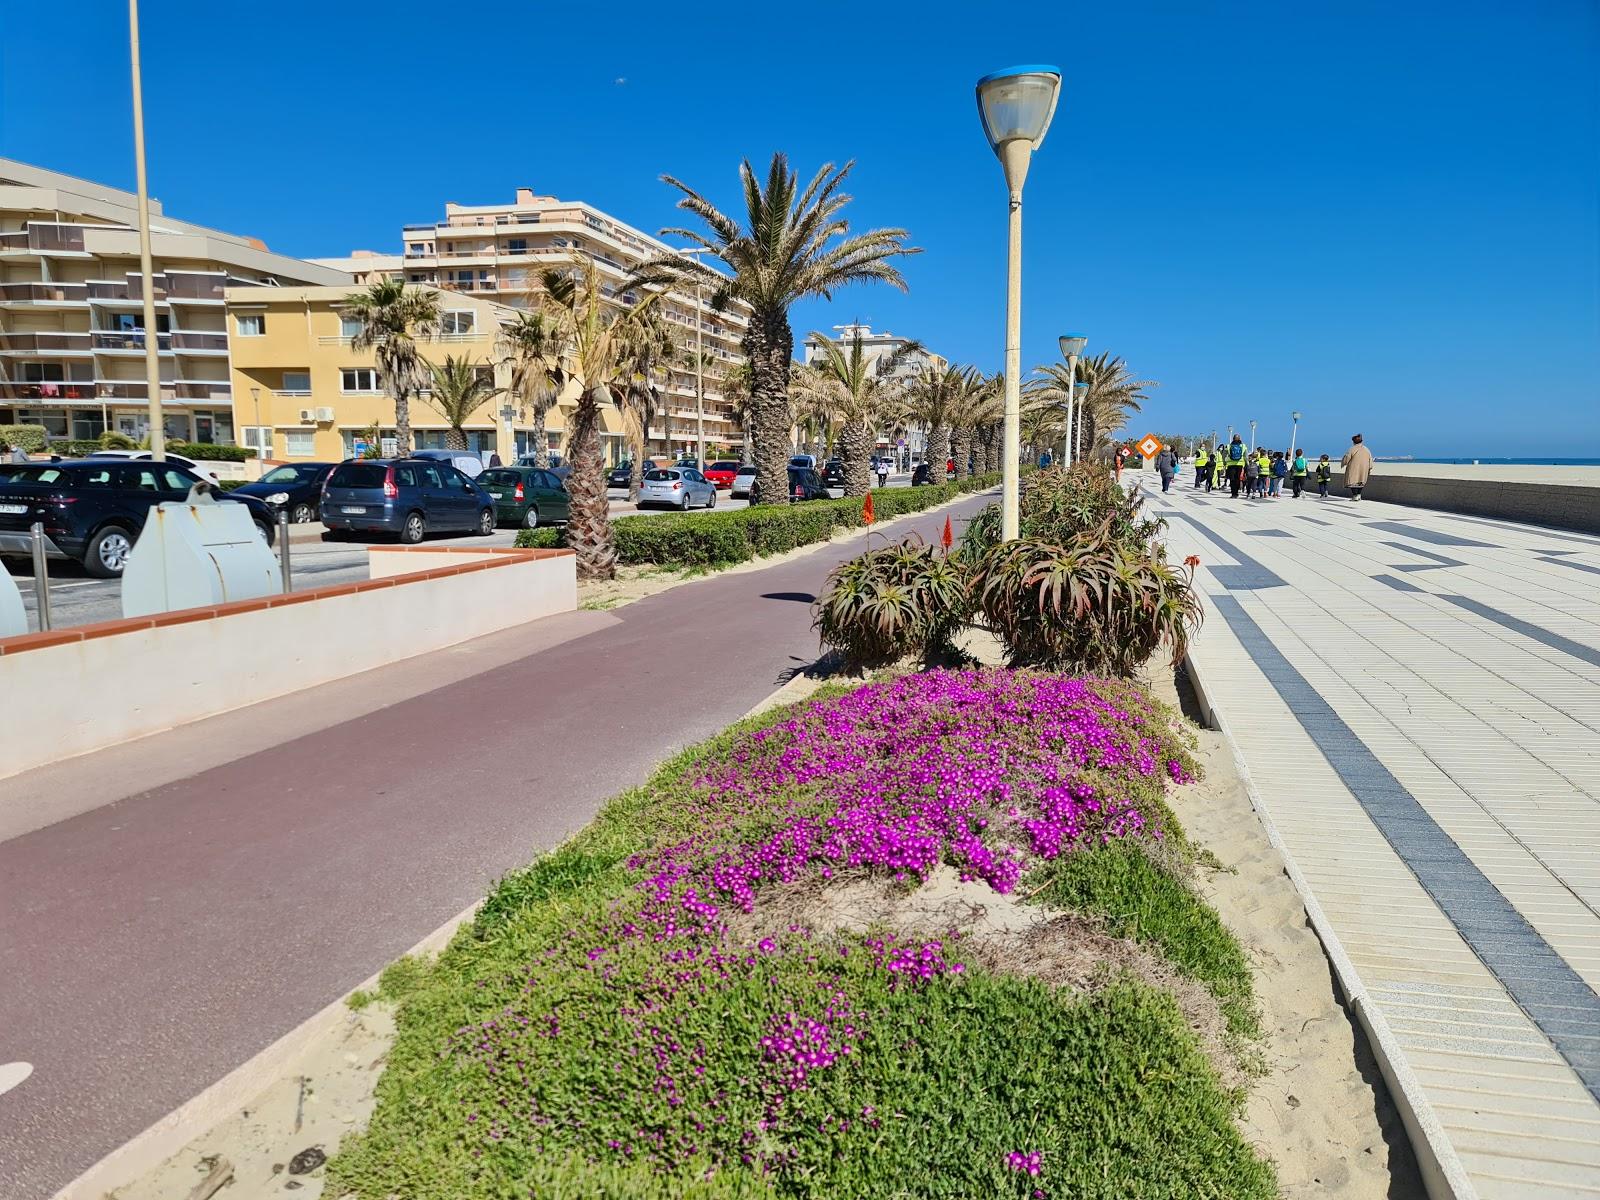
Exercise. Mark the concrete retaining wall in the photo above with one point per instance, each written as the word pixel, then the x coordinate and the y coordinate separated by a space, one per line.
pixel 87 688
pixel 1534 502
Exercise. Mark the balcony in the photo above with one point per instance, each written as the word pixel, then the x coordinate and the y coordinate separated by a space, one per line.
pixel 52 392
pixel 44 295
pixel 56 239
pixel 196 342
pixel 204 389
pixel 195 286
pixel 15 243
pixel 128 341
pixel 44 343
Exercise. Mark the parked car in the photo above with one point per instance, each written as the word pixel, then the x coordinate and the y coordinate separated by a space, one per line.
pixel 722 474
pixel 806 462
pixel 923 475
pixel 468 463
pixel 526 496
pixel 833 473
pixel 688 461
pixel 804 484
pixel 187 464
pixel 92 510
pixel 408 497
pixel 620 475
pixel 557 468
pixel 743 480
pixel 296 488
pixel 678 487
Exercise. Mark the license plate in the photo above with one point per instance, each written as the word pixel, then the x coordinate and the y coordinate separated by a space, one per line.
pixel 14 509
pixel 496 495
pixel 353 508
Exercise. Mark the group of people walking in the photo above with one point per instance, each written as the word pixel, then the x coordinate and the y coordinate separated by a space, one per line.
pixel 1261 473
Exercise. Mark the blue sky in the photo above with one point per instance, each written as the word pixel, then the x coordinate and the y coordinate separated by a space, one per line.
pixel 1386 215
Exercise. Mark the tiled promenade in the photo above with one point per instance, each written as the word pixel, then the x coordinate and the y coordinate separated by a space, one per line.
pixel 1417 698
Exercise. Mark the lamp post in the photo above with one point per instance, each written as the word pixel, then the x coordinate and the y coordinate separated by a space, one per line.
pixel 1252 437
pixel 152 343
pixel 1072 345
pixel 1294 434
pixel 1080 393
pixel 1015 106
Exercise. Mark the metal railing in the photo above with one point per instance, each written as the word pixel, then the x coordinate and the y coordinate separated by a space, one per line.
pixel 43 293
pixel 70 343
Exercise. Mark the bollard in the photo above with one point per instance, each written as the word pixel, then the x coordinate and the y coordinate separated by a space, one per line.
pixel 41 577
pixel 283 548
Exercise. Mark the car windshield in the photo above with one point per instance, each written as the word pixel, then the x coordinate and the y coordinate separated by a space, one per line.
pixel 747 470
pixel 723 466
pixel 660 476
pixel 289 474
pixel 358 475
pixel 499 475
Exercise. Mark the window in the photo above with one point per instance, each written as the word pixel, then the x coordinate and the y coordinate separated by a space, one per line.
pixel 416 247
pixel 358 379
pixel 214 427
pixel 457 321
pixel 517 246
pixel 405 477
pixel 87 424
pixel 357 475
pixel 100 477
pixel 350 327
pixel 258 436
pixel 297 381
pixel 299 443
pixel 250 324
pixel 430 476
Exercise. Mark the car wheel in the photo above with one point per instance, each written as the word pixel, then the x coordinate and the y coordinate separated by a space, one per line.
pixel 712 503
pixel 683 505
pixel 530 519
pixel 302 514
pixel 264 532
pixel 486 522
pixel 411 532
pixel 107 553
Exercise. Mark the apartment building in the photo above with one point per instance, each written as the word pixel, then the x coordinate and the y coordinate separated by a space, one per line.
pixel 498 251
pixel 908 439
pixel 72 351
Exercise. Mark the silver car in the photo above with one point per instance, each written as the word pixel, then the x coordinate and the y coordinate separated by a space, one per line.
pixel 677 487
pixel 742 481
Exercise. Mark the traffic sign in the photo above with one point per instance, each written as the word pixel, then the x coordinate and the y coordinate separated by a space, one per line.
pixel 1149 445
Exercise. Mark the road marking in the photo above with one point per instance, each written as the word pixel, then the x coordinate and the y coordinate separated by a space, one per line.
pixel 13 1074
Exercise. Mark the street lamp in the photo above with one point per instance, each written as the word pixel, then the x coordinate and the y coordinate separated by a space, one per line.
pixel 1294 434
pixel 1252 437
pixel 1015 106
pixel 152 343
pixel 1072 345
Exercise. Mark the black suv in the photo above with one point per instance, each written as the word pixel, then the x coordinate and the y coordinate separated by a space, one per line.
pixel 92 510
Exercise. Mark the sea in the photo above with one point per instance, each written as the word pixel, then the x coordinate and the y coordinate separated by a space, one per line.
pixel 1495 462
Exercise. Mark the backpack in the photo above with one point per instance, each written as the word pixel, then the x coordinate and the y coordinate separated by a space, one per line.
pixel 1236 452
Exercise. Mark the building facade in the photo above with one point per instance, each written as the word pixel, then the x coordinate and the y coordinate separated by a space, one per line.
pixel 497 252
pixel 72 351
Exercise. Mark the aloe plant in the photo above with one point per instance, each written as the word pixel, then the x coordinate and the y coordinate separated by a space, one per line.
pixel 899 599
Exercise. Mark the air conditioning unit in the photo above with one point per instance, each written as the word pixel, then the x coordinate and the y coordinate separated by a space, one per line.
pixel 305 416
pixel 324 415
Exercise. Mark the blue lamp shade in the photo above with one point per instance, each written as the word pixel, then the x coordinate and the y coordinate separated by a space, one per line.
pixel 1071 344
pixel 1017 103
pixel 1081 388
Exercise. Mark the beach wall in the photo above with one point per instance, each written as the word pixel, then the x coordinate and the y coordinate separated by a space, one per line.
pixel 1559 497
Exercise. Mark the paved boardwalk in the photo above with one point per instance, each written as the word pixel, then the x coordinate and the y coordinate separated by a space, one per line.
pixel 240 873
pixel 1417 697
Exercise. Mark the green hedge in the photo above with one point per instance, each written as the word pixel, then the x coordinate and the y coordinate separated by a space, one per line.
pixel 211 451
pixel 29 437
pixel 721 539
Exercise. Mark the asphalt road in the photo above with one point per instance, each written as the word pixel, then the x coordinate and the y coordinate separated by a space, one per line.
pixel 241 873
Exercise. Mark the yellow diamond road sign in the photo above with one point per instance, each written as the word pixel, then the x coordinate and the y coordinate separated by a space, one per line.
pixel 1149 445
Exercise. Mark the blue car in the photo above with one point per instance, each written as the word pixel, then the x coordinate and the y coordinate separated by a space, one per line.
pixel 408 497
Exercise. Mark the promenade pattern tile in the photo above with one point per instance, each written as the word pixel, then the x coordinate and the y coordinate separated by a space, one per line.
pixel 1424 729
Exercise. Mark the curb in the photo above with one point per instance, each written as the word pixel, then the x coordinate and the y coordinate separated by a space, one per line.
pixel 1443 1174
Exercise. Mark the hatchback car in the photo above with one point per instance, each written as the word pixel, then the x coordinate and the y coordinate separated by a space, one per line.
pixel 408 497
pixel 721 474
pixel 525 496
pixel 620 475
pixel 833 473
pixel 676 487
pixel 297 489
pixel 92 509
pixel 804 484
pixel 743 480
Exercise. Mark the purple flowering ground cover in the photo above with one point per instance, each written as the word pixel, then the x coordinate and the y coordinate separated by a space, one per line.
pixel 604 1028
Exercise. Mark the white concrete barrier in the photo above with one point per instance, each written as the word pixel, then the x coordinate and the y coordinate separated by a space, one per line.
pixel 93 686
pixel 194 553
pixel 13 617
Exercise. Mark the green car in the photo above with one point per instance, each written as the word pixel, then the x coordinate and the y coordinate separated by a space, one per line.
pixel 525 496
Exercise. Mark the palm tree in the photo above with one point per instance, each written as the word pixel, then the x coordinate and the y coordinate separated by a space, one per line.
pixel 861 393
pixel 532 347
pixel 457 390
pixel 934 397
pixel 1113 394
pixel 647 344
pixel 394 319
pixel 977 400
pixel 598 332
pixel 795 244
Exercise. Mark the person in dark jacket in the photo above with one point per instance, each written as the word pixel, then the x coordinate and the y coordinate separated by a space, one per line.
pixel 1235 466
pixel 1166 467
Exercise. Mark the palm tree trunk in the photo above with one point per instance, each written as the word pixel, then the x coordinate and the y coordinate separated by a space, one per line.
pixel 636 467
pixel 456 438
pixel 589 526
pixel 962 442
pixel 402 421
pixel 938 452
pixel 768 344
pixel 855 452
pixel 540 438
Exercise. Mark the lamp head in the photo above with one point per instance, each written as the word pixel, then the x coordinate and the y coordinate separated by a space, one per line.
pixel 1072 344
pixel 1016 104
pixel 1082 389
pixel 1295 415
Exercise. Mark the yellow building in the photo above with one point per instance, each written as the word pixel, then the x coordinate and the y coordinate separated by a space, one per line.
pixel 72 355
pixel 497 252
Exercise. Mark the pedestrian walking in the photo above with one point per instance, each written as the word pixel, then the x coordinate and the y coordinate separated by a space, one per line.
pixel 1236 457
pixel 1357 463
pixel 1263 472
pixel 883 472
pixel 1202 468
pixel 1297 473
pixel 1324 475
pixel 17 455
pixel 1217 464
pixel 1280 472
pixel 1167 467
pixel 1252 476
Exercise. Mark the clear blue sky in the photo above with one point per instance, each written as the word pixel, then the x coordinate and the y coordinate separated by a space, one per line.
pixel 1386 215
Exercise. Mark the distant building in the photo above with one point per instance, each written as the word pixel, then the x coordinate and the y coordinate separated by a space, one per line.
pixel 875 346
pixel 497 251
pixel 72 353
